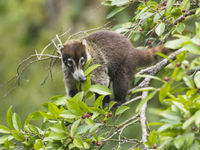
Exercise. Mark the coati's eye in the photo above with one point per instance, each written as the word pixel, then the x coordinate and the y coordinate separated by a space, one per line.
pixel 69 62
pixel 82 61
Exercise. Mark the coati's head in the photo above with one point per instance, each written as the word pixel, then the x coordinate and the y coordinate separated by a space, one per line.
pixel 74 57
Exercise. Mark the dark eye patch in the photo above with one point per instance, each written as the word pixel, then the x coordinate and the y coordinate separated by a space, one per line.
pixel 68 63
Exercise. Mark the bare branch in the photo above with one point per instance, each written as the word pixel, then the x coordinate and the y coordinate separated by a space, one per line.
pixel 86 31
pixel 143 121
pixel 132 100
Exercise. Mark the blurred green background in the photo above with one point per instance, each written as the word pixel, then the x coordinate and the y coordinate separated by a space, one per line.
pixel 29 25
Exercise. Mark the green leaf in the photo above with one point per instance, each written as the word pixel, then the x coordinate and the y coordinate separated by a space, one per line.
pixel 56 135
pixel 100 89
pixel 195 146
pixel 185 4
pixel 188 122
pixel 78 142
pixel 66 114
pixel 82 129
pixel 39 145
pixel 86 145
pixel 47 115
pixel 33 116
pixel 114 12
pixel 143 89
pixel 18 135
pixel 197 79
pixel 192 48
pixel 189 82
pixel 170 4
pixel 120 2
pixel 5 137
pixel 4 129
pixel 149 76
pixel 16 122
pixel 74 127
pixel 160 29
pixel 33 129
pixel 86 85
pixel 121 109
pixel 83 107
pixel 176 12
pixel 145 99
pixel 107 3
pixel 99 102
pixel 197 29
pixel 87 64
pixel 179 141
pixel 91 68
pixel 156 17
pixel 74 107
pixel 146 15
pixel 53 109
pixel 93 128
pixel 180 27
pixel 181 57
pixel 171 115
pixel 197 118
pixel 164 91
pixel 189 138
pixel 9 118
pixel 8 144
pixel 174 44
pixel 57 132
pixel 78 97
pixel 135 36
pixel 152 138
pixel 59 99
pixel 111 104
pixel 89 121
pixel 164 127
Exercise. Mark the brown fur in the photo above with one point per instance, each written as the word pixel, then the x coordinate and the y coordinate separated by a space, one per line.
pixel 74 49
pixel 117 57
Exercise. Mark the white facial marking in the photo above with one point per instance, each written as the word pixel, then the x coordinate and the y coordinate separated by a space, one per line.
pixel 70 62
pixel 84 42
pixel 81 62
pixel 78 73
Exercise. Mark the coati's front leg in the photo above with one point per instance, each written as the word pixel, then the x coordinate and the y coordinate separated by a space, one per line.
pixel 70 82
pixel 120 87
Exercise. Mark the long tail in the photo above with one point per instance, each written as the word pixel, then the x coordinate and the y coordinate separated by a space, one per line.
pixel 148 56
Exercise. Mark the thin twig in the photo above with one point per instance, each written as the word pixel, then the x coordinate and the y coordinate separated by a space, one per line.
pixel 143 121
pixel 86 31
pixel 132 100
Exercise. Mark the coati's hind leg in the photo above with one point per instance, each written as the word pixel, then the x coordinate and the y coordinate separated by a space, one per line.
pixel 120 87
pixel 100 76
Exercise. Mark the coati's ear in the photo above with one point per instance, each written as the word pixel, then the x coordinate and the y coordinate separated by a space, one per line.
pixel 84 42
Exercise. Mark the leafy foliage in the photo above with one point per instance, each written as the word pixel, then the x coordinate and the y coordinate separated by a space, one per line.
pixel 68 122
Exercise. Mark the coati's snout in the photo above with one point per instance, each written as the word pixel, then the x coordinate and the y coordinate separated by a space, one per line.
pixel 74 57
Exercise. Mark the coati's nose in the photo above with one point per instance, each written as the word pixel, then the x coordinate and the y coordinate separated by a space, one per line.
pixel 82 79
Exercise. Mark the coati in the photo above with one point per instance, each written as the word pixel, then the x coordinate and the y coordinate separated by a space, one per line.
pixel 116 55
